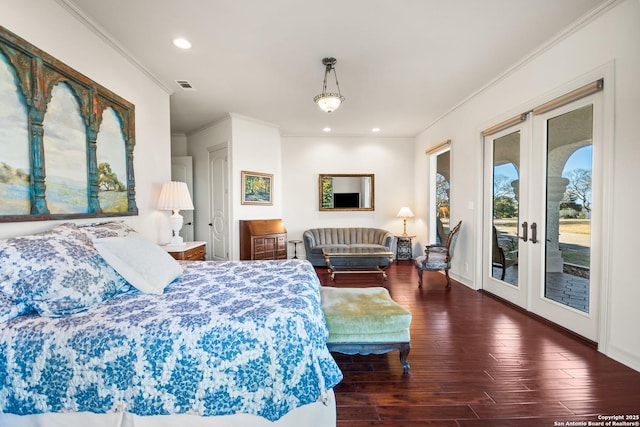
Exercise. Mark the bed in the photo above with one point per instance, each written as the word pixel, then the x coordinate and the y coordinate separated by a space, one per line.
pixel 222 343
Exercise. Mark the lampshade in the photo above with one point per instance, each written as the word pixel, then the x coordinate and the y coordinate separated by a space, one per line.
pixel 175 196
pixel 405 212
pixel 329 101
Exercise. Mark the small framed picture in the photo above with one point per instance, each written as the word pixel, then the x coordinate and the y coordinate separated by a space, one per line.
pixel 257 188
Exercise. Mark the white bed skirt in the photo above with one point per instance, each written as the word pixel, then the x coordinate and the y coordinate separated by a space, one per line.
pixel 313 415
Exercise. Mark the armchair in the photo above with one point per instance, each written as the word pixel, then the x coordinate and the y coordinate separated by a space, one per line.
pixel 438 257
pixel 499 258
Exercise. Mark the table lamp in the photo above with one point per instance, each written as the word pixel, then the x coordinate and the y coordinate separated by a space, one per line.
pixel 175 197
pixel 405 213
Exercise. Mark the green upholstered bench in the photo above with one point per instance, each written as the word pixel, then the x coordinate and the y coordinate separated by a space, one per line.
pixel 366 321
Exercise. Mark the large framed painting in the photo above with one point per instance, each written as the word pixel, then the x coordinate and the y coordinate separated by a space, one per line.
pixel 256 188
pixel 66 142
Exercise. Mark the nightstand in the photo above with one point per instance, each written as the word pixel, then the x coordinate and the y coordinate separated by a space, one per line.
pixel 190 251
pixel 404 250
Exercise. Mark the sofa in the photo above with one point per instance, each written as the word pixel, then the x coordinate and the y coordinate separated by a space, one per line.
pixel 317 239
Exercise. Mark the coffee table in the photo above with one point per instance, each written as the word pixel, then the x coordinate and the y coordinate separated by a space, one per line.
pixel 357 260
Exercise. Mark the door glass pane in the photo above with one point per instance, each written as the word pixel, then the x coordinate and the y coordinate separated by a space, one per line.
pixel 568 222
pixel 506 181
pixel 442 196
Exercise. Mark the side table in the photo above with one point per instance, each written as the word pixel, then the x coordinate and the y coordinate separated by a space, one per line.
pixel 295 247
pixel 404 249
pixel 190 251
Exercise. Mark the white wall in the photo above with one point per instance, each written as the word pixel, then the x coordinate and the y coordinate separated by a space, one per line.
pixel 304 158
pixel 178 145
pixel 198 146
pixel 51 28
pixel 253 146
pixel 613 36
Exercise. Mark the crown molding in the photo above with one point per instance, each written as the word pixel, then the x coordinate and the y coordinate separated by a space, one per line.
pixel 75 11
pixel 251 119
pixel 561 36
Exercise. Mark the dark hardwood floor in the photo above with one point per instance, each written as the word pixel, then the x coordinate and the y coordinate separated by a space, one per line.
pixel 476 361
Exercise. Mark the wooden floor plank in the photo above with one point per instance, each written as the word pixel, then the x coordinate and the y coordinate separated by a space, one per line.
pixel 476 362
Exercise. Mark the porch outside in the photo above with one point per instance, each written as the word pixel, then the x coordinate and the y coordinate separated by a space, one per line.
pixel 569 287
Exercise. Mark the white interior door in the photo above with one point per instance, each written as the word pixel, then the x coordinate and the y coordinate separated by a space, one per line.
pixel 182 171
pixel 218 244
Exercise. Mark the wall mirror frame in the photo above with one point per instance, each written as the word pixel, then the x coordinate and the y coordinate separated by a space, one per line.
pixel 66 150
pixel 346 192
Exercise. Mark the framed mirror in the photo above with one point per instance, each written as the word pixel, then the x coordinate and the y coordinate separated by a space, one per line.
pixel 346 192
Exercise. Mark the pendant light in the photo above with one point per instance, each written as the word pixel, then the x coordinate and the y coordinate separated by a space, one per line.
pixel 328 101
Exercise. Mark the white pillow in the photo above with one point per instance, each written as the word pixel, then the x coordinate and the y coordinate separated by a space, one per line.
pixel 145 265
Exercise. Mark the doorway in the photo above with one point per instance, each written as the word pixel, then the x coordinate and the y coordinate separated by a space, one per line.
pixel 218 244
pixel 541 170
pixel 439 193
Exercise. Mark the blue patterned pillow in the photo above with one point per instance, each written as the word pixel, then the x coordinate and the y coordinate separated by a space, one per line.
pixel 106 229
pixel 57 272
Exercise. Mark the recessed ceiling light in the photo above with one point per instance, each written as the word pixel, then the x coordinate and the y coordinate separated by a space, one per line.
pixel 375 130
pixel 182 43
pixel 327 129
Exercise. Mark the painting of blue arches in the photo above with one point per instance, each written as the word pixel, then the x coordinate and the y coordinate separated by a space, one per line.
pixel 112 165
pixel 15 168
pixel 65 152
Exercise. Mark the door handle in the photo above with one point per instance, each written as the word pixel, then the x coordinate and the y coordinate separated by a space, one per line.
pixel 525 230
pixel 534 233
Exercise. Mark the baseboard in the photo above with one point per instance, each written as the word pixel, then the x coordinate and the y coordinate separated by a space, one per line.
pixel 623 356
pixel 548 322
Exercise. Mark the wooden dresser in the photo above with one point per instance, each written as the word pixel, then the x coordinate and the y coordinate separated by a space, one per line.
pixel 263 239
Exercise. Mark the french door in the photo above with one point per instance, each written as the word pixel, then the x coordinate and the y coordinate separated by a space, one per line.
pixel 542 207
pixel 506 253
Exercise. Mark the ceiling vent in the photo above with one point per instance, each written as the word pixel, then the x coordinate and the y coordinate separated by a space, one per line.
pixel 185 85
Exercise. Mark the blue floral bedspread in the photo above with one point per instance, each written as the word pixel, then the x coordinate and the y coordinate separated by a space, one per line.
pixel 224 338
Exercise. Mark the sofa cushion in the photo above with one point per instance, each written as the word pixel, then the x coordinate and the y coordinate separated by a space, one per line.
pixel 368 246
pixel 436 261
pixel 319 248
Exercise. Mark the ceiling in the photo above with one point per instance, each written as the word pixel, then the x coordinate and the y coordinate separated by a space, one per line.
pixel 401 63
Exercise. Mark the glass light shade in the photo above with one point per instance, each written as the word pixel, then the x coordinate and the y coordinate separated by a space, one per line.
pixel 405 212
pixel 329 102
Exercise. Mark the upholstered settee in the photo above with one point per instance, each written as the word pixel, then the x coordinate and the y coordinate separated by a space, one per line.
pixel 317 239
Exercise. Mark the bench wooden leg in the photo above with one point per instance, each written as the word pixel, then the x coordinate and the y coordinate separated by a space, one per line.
pixel 373 348
pixel 404 354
